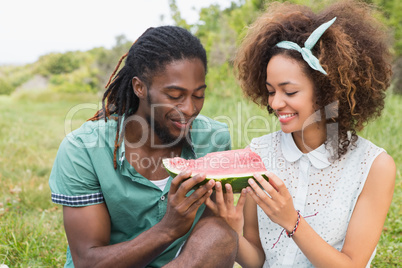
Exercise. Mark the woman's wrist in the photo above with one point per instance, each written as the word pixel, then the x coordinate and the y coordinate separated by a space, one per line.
pixel 291 233
pixel 294 223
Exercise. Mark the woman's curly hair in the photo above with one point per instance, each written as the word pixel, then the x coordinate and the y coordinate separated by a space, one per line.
pixel 354 51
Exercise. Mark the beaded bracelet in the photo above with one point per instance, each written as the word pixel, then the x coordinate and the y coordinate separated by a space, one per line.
pixel 295 228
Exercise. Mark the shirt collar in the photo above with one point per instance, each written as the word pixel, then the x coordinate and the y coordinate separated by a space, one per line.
pixel 319 157
pixel 121 154
pixel 121 151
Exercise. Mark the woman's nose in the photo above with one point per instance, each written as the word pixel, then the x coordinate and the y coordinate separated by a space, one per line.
pixel 276 101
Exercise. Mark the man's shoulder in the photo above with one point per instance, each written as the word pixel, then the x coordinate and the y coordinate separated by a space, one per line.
pixel 209 135
pixel 82 156
pixel 93 134
pixel 204 127
pixel 204 122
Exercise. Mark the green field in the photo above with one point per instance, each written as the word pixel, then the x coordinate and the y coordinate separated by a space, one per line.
pixel 33 124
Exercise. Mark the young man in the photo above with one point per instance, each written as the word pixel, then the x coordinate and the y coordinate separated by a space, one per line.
pixel 120 207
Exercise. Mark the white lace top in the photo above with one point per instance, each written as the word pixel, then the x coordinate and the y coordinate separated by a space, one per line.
pixel 327 190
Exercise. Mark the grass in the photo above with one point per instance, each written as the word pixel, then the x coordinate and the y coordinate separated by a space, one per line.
pixel 31 129
pixel 33 125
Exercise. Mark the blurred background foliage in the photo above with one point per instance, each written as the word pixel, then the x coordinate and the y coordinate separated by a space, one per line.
pixel 220 30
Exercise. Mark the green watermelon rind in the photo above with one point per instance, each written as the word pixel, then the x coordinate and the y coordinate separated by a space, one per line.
pixel 237 183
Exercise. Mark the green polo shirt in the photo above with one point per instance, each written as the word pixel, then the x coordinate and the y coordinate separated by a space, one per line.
pixel 83 175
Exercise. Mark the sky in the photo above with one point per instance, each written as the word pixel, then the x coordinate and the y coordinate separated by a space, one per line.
pixel 31 28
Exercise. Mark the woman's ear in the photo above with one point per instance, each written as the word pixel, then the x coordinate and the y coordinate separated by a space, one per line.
pixel 139 87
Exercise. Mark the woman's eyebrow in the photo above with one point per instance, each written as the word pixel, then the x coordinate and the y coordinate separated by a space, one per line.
pixel 281 84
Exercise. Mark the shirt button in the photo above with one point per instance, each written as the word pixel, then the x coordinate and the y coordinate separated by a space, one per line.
pixel 163 197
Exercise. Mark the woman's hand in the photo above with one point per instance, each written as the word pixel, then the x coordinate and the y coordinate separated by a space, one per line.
pixel 278 203
pixel 225 208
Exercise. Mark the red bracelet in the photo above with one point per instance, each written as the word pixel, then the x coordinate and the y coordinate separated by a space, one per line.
pixel 297 225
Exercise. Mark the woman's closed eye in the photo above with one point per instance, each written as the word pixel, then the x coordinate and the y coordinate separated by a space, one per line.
pixel 291 93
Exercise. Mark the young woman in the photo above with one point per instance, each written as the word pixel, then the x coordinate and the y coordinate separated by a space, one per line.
pixel 324 76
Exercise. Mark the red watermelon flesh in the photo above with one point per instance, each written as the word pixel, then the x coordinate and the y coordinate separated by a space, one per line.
pixel 225 164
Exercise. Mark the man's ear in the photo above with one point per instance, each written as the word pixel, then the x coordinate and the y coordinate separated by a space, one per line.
pixel 139 87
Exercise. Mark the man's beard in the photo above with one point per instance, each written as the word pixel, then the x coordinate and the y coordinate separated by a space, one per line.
pixel 164 135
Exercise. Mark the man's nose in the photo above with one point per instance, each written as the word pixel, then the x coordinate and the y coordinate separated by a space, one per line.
pixel 187 107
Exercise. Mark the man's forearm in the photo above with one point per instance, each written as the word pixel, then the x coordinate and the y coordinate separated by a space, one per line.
pixel 137 252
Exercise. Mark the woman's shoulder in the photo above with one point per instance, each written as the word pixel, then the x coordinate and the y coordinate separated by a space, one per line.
pixel 382 160
pixel 363 148
pixel 383 167
pixel 371 160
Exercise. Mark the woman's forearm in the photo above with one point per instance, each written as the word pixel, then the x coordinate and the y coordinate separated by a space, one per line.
pixel 248 255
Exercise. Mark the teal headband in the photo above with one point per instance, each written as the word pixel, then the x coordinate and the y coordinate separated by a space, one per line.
pixel 308 45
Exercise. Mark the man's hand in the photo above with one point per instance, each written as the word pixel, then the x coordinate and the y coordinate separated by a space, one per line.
pixel 181 209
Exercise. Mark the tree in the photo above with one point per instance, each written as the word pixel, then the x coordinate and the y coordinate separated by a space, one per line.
pixel 176 15
pixel 106 60
pixel 58 63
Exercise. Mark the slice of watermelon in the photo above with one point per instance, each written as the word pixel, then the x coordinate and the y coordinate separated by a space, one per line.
pixel 234 167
